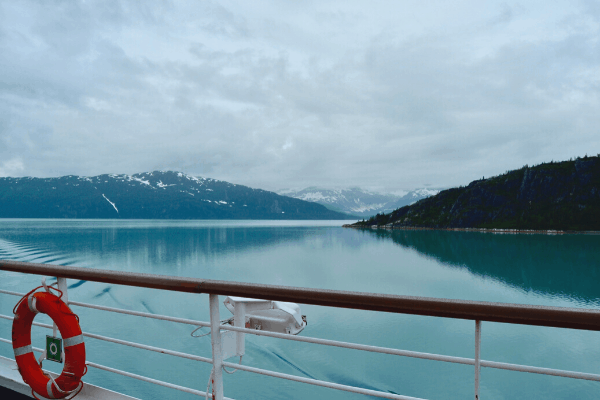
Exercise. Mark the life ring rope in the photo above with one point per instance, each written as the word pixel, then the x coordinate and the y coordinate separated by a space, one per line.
pixel 69 383
pixel 26 296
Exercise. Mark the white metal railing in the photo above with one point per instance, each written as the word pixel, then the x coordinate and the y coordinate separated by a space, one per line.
pixel 215 317
pixel 218 363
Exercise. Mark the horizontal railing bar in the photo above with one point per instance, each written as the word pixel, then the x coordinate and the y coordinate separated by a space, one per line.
pixel 542 371
pixel 150 348
pixel 10 342
pixel 355 346
pixel 150 380
pixel 131 344
pixel 128 312
pixel 317 382
pixel 2 316
pixel 12 293
pixel 142 314
pixel 559 317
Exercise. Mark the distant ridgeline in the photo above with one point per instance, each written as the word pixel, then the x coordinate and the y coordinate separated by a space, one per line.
pixel 551 196
pixel 153 195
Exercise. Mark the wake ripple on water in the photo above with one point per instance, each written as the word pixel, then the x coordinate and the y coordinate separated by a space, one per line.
pixel 21 252
pixel 291 364
pixel 76 284
pixel 346 379
pixel 10 250
pixel 103 292
pixel 147 307
pixel 108 291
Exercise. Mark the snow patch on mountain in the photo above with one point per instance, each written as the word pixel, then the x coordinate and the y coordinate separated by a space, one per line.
pixel 162 185
pixel 111 203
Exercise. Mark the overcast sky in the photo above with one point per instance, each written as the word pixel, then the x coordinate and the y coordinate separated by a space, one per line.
pixel 385 95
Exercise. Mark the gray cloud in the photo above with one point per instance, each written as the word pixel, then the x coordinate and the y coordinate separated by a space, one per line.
pixel 277 95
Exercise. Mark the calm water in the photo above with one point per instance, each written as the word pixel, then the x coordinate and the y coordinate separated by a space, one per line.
pixel 530 269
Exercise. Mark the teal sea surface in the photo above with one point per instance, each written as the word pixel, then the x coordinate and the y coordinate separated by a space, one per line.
pixel 555 270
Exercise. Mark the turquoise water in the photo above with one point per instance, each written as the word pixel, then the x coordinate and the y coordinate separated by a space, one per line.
pixel 529 269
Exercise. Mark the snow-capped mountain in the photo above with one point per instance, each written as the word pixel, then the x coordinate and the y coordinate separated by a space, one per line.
pixel 357 201
pixel 150 195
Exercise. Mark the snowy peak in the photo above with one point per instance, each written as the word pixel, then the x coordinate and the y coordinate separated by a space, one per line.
pixel 154 180
pixel 422 193
pixel 169 181
pixel 357 201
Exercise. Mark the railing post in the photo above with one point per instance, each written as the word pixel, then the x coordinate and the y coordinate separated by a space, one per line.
pixel 477 356
pixel 215 340
pixel 62 286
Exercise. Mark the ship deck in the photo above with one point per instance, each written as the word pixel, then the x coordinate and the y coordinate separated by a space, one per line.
pixel 13 387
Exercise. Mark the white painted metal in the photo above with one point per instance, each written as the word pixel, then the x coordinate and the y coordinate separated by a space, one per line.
pixel 251 304
pixel 239 320
pixel 34 323
pixel 228 344
pixel 150 348
pixel 62 286
pixel 122 311
pixel 317 382
pixel 215 340
pixel 142 314
pixel 12 293
pixel 477 356
pixel 539 370
pixel 10 342
pixel 271 316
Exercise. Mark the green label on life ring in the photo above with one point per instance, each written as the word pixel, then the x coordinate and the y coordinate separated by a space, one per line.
pixel 54 349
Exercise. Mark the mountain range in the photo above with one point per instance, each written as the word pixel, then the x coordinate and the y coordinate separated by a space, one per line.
pixel 149 195
pixel 356 201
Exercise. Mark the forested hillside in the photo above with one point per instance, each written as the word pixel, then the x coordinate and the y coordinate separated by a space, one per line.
pixel 555 195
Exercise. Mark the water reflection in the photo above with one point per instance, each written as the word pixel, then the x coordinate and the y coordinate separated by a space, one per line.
pixel 147 245
pixel 566 265
pixel 254 252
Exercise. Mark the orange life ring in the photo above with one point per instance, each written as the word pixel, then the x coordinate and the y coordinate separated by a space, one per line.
pixel 74 347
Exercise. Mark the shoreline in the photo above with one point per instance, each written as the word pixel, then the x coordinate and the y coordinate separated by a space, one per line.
pixel 486 230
